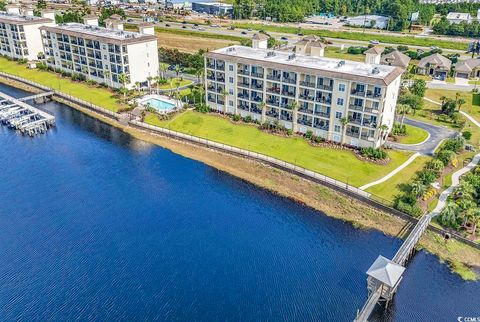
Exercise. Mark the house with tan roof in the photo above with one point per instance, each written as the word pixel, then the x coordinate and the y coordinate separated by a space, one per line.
pixel 310 45
pixel 395 58
pixel 468 68
pixel 435 65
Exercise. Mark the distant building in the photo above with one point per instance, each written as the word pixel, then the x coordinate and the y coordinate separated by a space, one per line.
pixel 468 68
pixel 458 17
pixel 20 36
pixel 102 54
pixel 213 8
pixel 435 65
pixel 310 46
pixel 373 21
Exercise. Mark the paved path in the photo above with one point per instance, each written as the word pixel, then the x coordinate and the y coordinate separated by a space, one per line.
pixel 442 199
pixel 468 116
pixel 391 174
pixel 450 86
pixel 427 147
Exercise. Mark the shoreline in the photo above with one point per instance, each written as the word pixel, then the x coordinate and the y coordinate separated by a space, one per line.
pixel 462 259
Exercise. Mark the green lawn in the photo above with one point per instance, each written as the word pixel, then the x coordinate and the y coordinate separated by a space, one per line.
pixel 99 96
pixel 414 135
pixel 388 189
pixel 339 164
pixel 472 101
pixel 335 52
pixel 172 83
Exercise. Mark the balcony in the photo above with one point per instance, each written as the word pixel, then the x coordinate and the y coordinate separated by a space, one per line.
pixel 355 120
pixel 369 123
pixel 243 95
pixel 356 107
pixel 244 84
pixel 353 134
pixel 287 93
pixel 324 127
pixel 286 117
pixel 371 110
pixel 307 84
pixel 243 107
pixel 211 66
pixel 256 99
pixel 367 137
pixel 307 97
pixel 273 77
pixel 290 80
pixel 305 110
pixel 257 85
pixel 357 92
pixel 256 110
pixel 325 87
pixel 257 75
pixel 371 94
pixel 322 114
pixel 243 72
pixel 275 90
pixel 221 66
pixel 273 102
pixel 306 122
pixel 323 100
pixel 272 113
pixel 211 77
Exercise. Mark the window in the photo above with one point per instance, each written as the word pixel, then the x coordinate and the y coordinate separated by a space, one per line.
pixel 230 91
pixel 340 101
pixel 230 67
pixel 230 103
pixel 338 115
pixel 341 87
pixel 337 128
pixel 230 79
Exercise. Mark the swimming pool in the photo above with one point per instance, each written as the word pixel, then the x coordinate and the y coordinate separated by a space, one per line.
pixel 159 104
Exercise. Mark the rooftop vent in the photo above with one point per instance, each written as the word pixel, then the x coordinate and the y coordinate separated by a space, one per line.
pixel 270 53
pixel 231 50
pixel 375 71
pixel 341 63
pixel 291 56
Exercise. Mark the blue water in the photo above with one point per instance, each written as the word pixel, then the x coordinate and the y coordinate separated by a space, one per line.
pixel 160 105
pixel 96 225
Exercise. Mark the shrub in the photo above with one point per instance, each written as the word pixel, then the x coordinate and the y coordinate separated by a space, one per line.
pixel 467 135
pixel 411 209
pixel 248 119
pixel 289 132
pixel 426 176
pixel 435 165
pixel 202 108
pixel 356 50
pixel 236 118
pixel 373 153
pixel 399 129
pixel 454 145
pixel 309 134
pixel 402 48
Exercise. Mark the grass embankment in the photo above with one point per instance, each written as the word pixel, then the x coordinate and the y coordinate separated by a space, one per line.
pixel 338 164
pixel 335 52
pixel 97 95
pixel 190 41
pixel 472 101
pixel 398 40
pixel 390 188
pixel 414 135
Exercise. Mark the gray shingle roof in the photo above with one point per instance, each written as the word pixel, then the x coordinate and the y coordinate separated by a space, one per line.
pixel 467 65
pixel 437 60
pixel 395 58
pixel 386 271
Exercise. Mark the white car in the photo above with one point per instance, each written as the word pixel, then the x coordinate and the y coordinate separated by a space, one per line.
pixel 374 42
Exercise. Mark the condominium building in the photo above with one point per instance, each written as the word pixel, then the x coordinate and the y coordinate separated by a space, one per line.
pixel 20 34
pixel 102 54
pixel 305 92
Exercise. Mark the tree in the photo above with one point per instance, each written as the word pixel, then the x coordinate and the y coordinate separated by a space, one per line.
pixel 418 87
pixel 460 102
pixel 123 80
pixel 224 94
pixel 449 214
pixel 418 188
pixel 163 69
pixel 383 131
pixel 415 102
pixel 294 106
pixel 403 109
pixel 263 106
pixel 344 122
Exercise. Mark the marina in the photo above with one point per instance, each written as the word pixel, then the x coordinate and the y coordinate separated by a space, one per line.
pixel 29 120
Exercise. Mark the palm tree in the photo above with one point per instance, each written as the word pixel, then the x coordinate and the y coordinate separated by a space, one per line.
pixel 449 213
pixel 137 86
pixel 443 98
pixel 149 82
pixel 403 109
pixel 177 70
pixel 344 122
pixel 418 188
pixel 224 94
pixel 163 69
pixel 464 190
pixel 383 129
pixel 107 74
pixel 294 106
pixel 199 74
pixel 123 80
pixel 460 102
pixel 263 106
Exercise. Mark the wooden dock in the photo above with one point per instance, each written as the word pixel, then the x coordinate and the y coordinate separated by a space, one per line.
pixel 18 115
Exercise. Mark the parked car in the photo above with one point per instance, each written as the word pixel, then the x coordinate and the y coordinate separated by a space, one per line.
pixel 167 25
pixel 284 38
pixel 243 32
pixel 249 29
pixel 374 42
pixel 184 27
